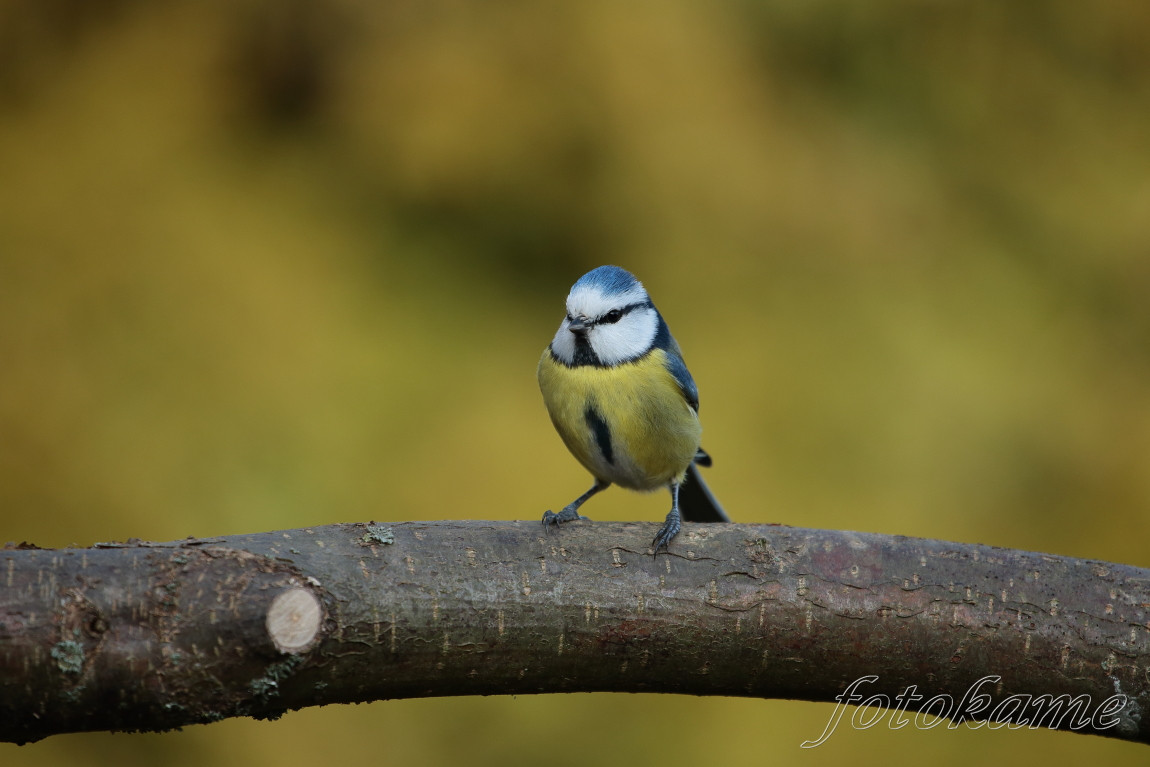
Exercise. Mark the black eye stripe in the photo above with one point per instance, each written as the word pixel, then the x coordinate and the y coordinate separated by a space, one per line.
pixel 615 315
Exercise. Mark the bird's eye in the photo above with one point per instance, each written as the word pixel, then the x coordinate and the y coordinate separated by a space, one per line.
pixel 612 316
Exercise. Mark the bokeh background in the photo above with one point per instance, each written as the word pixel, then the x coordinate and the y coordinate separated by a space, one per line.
pixel 276 263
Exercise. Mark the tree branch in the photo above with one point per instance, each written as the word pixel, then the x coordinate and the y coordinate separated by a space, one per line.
pixel 145 636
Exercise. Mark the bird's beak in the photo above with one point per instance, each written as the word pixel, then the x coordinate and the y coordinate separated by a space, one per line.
pixel 578 325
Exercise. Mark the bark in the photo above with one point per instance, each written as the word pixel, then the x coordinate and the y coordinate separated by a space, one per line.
pixel 146 636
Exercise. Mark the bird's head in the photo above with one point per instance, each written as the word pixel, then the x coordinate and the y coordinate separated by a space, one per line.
pixel 610 319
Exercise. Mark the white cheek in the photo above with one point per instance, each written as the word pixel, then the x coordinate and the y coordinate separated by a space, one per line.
pixel 563 345
pixel 625 340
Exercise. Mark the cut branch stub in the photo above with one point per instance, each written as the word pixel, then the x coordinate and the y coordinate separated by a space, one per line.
pixel 294 620
pixel 145 636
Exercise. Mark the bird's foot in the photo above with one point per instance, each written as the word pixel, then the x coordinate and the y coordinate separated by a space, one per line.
pixel 569 513
pixel 668 531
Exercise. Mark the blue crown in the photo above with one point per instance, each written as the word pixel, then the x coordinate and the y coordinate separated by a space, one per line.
pixel 609 280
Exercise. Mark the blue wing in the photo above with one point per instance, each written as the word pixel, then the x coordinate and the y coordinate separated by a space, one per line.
pixel 665 341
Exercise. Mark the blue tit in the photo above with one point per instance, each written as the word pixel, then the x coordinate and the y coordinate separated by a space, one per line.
pixel 622 399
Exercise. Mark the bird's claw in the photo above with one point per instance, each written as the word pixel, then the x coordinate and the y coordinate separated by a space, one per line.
pixel 666 533
pixel 567 515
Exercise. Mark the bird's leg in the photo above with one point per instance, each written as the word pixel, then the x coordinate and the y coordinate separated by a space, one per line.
pixel 571 510
pixel 671 526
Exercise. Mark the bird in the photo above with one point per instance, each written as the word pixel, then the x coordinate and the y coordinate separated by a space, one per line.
pixel 620 395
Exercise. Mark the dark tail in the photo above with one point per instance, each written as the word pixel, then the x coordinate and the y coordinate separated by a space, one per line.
pixel 696 503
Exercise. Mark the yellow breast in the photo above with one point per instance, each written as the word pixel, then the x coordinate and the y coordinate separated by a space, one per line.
pixel 652 432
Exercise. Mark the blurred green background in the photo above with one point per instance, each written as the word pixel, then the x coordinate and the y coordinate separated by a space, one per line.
pixel 277 263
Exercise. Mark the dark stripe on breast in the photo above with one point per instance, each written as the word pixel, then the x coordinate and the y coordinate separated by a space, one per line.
pixel 602 433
